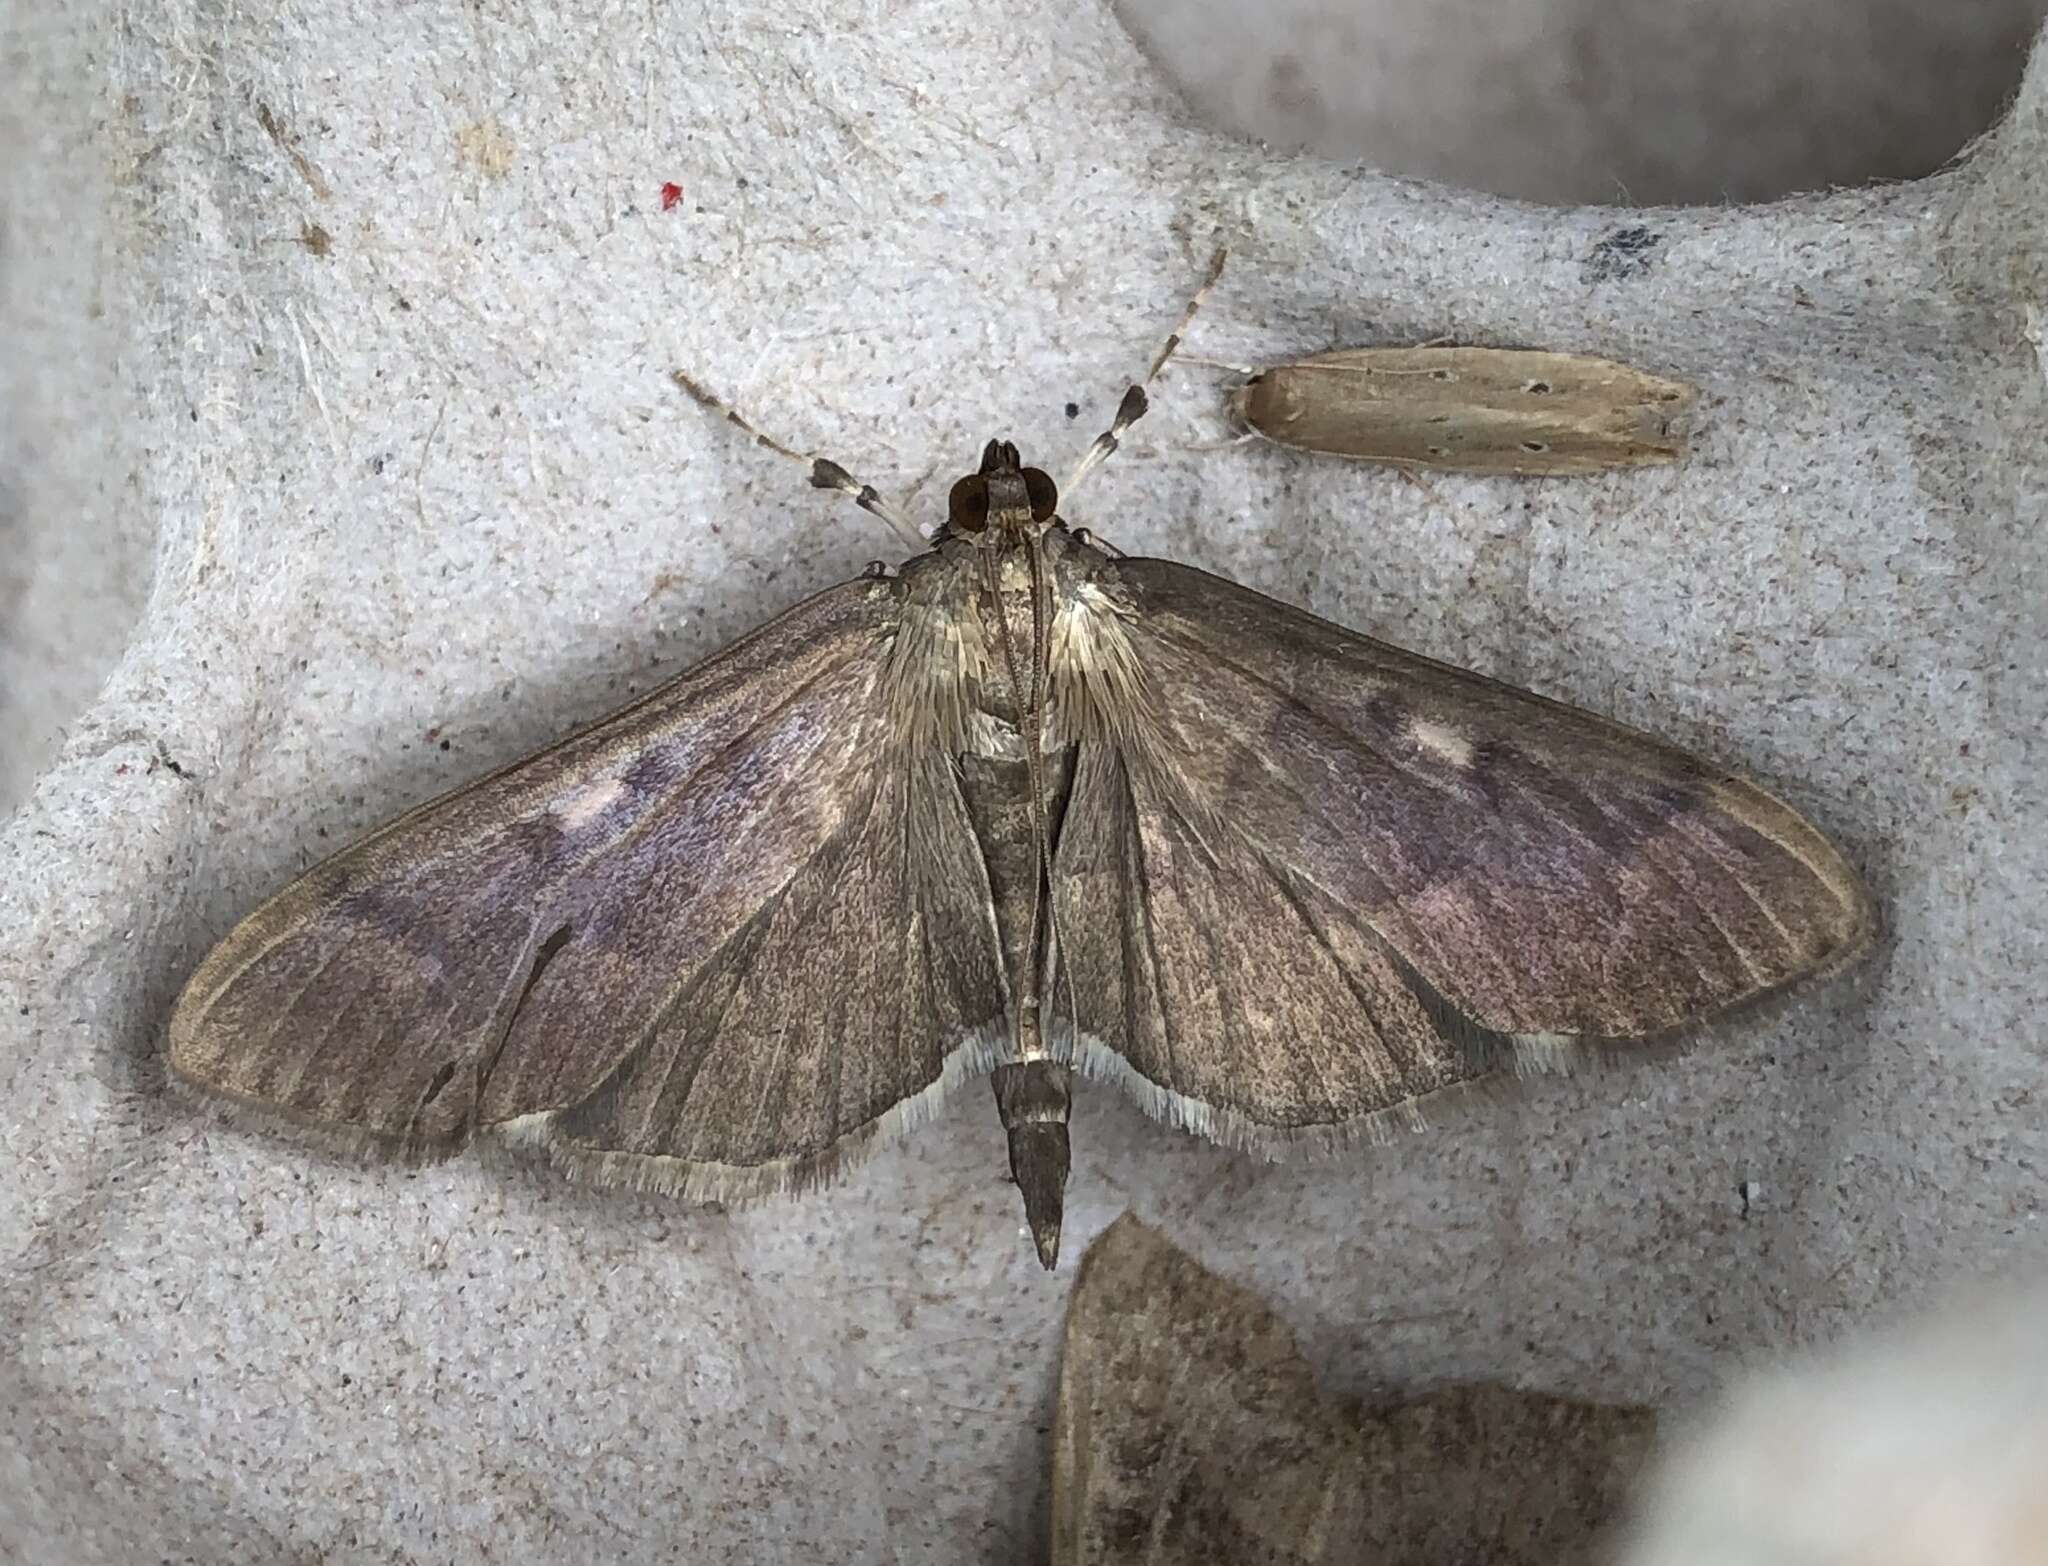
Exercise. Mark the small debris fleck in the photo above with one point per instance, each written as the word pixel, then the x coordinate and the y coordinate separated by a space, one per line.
pixel 1626 252
pixel 484 145
pixel 162 760
pixel 274 128
pixel 671 193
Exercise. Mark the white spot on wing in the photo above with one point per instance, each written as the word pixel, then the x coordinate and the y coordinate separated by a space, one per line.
pixel 1441 741
pixel 583 806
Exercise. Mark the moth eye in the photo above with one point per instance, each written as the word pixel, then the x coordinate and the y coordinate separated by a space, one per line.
pixel 967 505
pixel 1044 494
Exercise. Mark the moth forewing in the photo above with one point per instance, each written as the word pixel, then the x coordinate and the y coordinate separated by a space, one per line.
pixel 1470 410
pixel 1325 879
pixel 645 941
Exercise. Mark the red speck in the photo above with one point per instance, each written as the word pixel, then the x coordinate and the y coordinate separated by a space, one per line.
pixel 671 193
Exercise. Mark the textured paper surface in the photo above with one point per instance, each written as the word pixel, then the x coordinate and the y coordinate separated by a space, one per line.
pixel 432 487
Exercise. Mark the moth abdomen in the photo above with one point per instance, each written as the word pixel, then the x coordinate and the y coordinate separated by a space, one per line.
pixel 1034 1099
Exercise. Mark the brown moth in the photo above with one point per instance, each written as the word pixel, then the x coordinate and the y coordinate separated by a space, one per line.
pixel 1190 1428
pixel 1022 807
pixel 1470 410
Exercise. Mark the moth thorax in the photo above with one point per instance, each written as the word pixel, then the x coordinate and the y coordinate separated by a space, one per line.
pixel 1012 601
pixel 1009 504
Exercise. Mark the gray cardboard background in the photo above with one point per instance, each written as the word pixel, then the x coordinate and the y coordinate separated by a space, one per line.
pixel 1635 102
pixel 433 485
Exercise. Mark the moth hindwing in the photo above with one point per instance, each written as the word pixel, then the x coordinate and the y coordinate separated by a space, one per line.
pixel 1470 410
pixel 1023 808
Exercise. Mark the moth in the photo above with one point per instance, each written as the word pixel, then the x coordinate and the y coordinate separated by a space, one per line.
pixel 1470 410
pixel 1190 1428
pixel 1021 807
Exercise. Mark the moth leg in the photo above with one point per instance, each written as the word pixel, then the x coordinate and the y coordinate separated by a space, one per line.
pixel 1034 1100
pixel 825 473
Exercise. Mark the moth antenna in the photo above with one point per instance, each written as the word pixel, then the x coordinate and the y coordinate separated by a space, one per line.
pixel 1041 633
pixel 825 473
pixel 1128 412
pixel 1134 403
pixel 1222 445
pixel 712 402
pixel 1039 1157
pixel 1217 364
pixel 1029 723
pixel 1187 316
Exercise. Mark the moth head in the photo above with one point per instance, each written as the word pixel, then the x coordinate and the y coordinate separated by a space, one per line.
pixel 1004 497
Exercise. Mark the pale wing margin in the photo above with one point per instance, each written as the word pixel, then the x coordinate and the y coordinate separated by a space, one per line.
pixel 1309 880
pixel 521 948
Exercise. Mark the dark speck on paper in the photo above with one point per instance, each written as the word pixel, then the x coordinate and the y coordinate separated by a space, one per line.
pixel 1623 253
